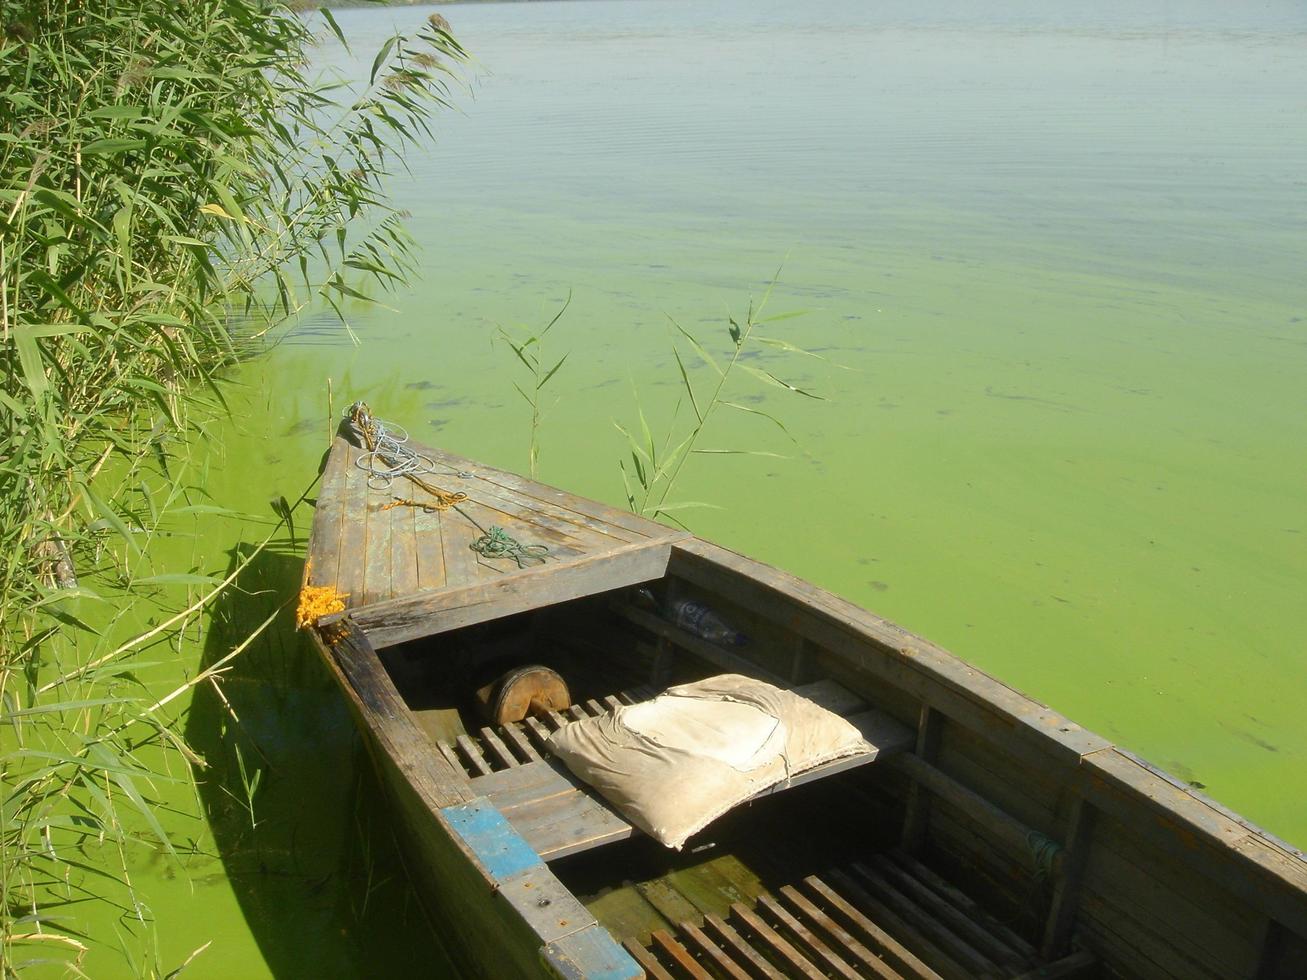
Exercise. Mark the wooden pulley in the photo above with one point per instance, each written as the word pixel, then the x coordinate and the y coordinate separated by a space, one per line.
pixel 524 691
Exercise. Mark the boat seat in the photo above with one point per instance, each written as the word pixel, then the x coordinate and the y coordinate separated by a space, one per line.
pixel 559 815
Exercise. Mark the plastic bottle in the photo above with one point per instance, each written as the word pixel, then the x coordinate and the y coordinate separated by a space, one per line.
pixel 695 617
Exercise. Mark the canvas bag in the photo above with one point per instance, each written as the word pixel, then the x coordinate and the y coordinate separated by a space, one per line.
pixel 676 763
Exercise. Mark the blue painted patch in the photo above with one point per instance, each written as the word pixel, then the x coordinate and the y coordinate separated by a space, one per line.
pixel 591 954
pixel 491 838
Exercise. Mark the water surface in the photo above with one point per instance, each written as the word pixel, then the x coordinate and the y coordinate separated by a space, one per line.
pixel 1059 248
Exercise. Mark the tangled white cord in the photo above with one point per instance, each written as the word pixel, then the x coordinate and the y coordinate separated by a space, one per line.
pixel 387 457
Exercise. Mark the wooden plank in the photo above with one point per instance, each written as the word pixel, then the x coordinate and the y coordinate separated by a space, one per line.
pixel 950 917
pixel 924 948
pixel 516 737
pixel 355 499
pixel 833 696
pixel 429 550
pixel 794 961
pixel 383 713
pixel 1073 967
pixel 898 955
pixel 567 527
pixel 588 954
pixel 714 953
pixel 1166 903
pixel 403 551
pixel 805 937
pixel 484 515
pixel 1066 894
pixel 461 568
pixel 1185 828
pixel 377 586
pixel 930 725
pixel 521 488
pixel 498 750
pixel 525 784
pixel 452 758
pixel 757 965
pixel 439 724
pixel 567 824
pixel 612 703
pixel 701 648
pixel 1006 830
pixel 429 613
pixel 668 900
pixel 887 651
pixel 646 960
pixel 595 709
pixel 626 914
pixel 328 518
pixel 471 755
pixel 680 956
pixel 957 948
pixel 964 902
pixel 837 934
pixel 536 730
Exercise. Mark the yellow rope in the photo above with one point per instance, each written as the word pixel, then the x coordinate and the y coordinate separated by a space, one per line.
pixel 317 601
pixel 444 500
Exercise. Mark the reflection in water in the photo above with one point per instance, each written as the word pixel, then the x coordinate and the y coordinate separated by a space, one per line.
pixel 297 817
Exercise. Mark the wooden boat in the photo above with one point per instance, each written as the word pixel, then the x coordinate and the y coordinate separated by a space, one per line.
pixel 983 835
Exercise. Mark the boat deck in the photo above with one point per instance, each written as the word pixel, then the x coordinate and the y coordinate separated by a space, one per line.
pixel 397 548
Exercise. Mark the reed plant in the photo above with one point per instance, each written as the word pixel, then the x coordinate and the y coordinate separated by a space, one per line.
pixel 174 180
pixel 652 467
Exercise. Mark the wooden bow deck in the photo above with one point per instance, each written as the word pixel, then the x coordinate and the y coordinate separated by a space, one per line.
pixel 408 571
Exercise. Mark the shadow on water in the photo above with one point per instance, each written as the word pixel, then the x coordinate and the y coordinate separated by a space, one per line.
pixel 294 807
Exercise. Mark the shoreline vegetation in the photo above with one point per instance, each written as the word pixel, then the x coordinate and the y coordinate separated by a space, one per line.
pixel 175 184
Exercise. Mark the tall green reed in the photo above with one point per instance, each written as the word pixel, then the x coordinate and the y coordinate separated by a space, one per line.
pixel 173 181
pixel 656 465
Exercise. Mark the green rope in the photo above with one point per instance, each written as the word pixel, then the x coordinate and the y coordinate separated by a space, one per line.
pixel 496 543
pixel 1043 851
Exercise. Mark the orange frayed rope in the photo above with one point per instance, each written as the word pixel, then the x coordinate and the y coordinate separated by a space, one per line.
pixel 317 601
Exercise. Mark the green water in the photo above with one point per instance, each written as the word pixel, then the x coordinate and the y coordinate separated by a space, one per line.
pixel 1060 252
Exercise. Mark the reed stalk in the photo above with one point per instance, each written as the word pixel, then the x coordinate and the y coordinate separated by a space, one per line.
pixel 174 181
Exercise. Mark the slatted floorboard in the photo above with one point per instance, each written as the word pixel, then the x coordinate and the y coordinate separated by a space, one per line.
pixel 889 917
pixel 495 750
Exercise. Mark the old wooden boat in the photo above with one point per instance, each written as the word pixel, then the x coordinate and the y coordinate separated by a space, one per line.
pixel 982 834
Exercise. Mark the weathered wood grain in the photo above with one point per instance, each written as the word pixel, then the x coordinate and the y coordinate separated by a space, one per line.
pixel 898 955
pixel 328 516
pixel 430 613
pixel 888 651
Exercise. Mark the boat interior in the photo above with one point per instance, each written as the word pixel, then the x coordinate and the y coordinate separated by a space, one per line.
pixel 832 877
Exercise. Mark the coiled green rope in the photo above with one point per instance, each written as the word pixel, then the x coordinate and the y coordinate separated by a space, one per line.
pixel 497 543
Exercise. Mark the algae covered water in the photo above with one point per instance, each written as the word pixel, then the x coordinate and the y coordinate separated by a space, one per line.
pixel 1054 256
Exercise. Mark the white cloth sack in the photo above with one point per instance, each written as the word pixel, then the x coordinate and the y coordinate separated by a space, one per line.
pixel 673 765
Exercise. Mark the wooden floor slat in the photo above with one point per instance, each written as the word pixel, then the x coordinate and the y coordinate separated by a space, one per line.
pixel 646 959
pixel 898 955
pixel 472 756
pixel 949 916
pixel 976 962
pixel 706 947
pixel 497 750
pixel 923 949
pixel 758 965
pixel 965 904
pixel 515 736
pixel 679 955
pixel 795 963
pixel 785 922
pixel 819 921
